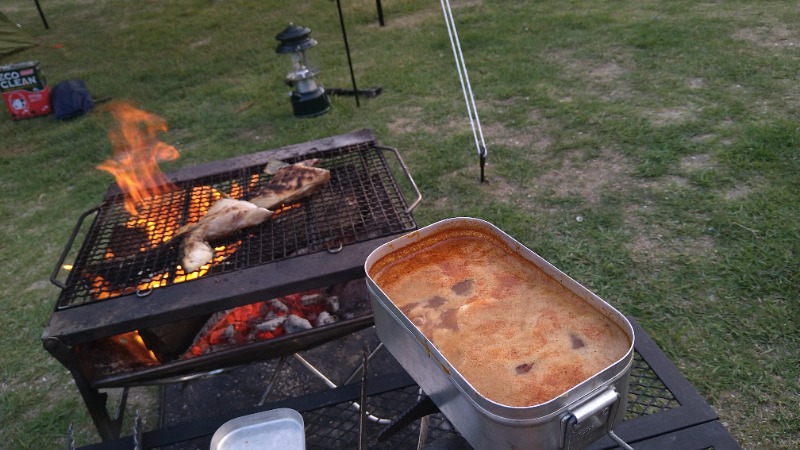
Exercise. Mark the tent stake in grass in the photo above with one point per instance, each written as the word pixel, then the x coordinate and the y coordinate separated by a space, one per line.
pixel 466 88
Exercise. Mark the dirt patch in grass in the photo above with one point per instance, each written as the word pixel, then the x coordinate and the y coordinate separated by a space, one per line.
pixel 694 163
pixel 606 72
pixel 660 240
pixel 405 122
pixel 529 138
pixel 587 178
pixel 670 116
pixel 655 245
pixel 415 19
pixel 503 190
pixel 412 21
pixel 706 162
pixel 604 78
pixel 737 192
pixel 696 83
pixel 534 136
pixel 411 120
pixel 777 35
pixel 38 285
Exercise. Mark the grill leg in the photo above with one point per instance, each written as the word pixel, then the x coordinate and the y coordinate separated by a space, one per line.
pixel 107 427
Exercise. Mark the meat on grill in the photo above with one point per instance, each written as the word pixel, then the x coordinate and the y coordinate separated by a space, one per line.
pixel 291 183
pixel 225 216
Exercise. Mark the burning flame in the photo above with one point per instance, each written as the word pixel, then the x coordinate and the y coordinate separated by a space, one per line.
pixel 154 203
pixel 135 344
pixel 156 206
pixel 136 152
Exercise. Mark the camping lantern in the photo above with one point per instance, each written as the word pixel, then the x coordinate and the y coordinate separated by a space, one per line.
pixel 308 97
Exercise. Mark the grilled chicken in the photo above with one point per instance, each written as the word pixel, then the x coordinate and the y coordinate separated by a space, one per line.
pixel 290 183
pixel 196 253
pixel 224 217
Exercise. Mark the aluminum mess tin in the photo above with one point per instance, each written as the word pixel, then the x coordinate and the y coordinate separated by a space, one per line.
pixel 276 429
pixel 572 420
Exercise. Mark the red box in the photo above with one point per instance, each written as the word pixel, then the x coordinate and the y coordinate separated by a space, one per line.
pixel 25 90
pixel 24 104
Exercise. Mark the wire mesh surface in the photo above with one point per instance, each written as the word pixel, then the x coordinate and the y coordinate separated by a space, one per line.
pixel 124 253
pixel 337 427
pixel 648 394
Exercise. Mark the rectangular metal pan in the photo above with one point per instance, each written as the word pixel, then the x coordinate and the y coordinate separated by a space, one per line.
pixel 573 420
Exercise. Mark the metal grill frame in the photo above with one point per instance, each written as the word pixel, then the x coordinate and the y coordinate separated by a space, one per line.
pixel 359 175
pixel 69 328
pixel 239 286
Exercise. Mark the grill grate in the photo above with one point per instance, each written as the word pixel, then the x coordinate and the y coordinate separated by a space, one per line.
pixel 336 427
pixel 123 255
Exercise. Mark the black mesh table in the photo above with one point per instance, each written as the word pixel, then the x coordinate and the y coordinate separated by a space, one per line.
pixel 664 410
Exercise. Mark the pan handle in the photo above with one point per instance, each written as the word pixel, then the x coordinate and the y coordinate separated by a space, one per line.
pixel 60 263
pixel 408 175
pixel 591 420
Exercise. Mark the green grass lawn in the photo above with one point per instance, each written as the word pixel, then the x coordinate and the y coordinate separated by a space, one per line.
pixel 649 149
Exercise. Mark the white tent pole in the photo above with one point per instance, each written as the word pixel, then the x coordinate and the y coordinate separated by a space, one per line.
pixel 466 87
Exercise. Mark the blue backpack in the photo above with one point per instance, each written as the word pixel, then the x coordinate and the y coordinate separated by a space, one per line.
pixel 70 99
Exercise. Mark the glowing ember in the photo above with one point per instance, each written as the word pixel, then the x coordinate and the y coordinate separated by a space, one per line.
pixel 238 191
pixel 265 320
pixel 159 217
pixel 284 209
pixel 136 152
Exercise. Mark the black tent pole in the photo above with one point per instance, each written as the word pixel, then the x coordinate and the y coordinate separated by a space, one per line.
pixel 482 162
pixel 380 12
pixel 347 50
pixel 41 14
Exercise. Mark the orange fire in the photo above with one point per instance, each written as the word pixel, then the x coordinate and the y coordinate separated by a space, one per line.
pixel 135 345
pixel 241 324
pixel 284 209
pixel 158 208
pixel 155 204
pixel 136 152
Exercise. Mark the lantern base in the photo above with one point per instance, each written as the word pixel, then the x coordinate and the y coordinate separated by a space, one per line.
pixel 310 104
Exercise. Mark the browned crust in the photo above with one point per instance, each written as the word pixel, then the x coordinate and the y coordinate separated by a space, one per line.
pixel 291 183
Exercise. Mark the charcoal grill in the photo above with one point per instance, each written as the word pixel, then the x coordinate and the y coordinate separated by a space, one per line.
pixel 125 274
